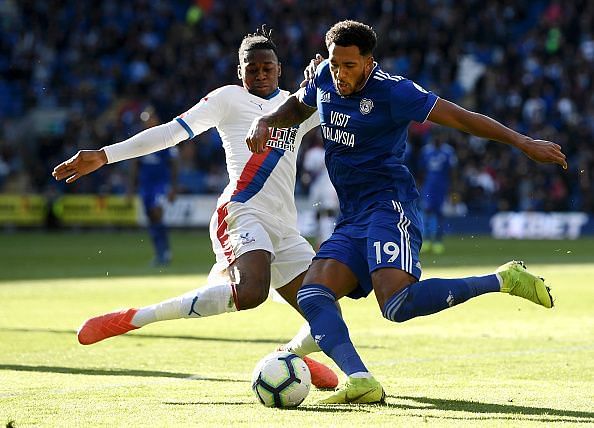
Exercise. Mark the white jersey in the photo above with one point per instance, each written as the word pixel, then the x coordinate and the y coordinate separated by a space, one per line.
pixel 264 181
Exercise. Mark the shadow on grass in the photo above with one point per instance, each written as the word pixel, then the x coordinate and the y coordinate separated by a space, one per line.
pixel 143 336
pixel 113 372
pixel 150 336
pixel 302 408
pixel 547 414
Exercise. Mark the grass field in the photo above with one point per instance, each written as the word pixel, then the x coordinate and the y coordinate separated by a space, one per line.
pixel 494 361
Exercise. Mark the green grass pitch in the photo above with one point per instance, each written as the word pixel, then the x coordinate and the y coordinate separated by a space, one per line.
pixel 494 361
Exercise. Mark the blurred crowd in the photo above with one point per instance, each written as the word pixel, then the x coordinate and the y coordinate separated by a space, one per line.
pixel 79 74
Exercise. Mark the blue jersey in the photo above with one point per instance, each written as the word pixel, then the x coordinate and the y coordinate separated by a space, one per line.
pixel 437 163
pixel 154 170
pixel 365 135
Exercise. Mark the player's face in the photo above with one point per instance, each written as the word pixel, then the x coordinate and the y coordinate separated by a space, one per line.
pixel 259 71
pixel 349 68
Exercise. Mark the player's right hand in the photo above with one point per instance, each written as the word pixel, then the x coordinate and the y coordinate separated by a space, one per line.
pixel 258 136
pixel 82 163
pixel 310 71
pixel 543 151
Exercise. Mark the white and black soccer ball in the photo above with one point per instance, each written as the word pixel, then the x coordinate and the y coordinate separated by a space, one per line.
pixel 281 379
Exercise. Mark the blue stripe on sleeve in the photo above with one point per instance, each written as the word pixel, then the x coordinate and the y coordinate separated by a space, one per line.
pixel 186 127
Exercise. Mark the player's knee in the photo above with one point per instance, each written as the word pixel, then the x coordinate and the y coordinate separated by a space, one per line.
pixel 252 294
pixel 312 298
pixel 401 315
pixel 155 215
pixel 397 308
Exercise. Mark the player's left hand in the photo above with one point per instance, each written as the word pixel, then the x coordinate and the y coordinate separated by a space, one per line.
pixel 258 136
pixel 544 151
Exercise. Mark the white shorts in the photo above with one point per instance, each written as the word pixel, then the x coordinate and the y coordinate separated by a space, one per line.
pixel 236 229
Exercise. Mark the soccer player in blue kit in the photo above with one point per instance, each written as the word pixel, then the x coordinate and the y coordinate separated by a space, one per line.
pixel 156 174
pixel 436 161
pixel 365 113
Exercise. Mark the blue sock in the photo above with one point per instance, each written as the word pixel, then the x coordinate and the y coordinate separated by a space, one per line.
pixel 328 329
pixel 160 239
pixel 438 227
pixel 163 239
pixel 430 226
pixel 433 295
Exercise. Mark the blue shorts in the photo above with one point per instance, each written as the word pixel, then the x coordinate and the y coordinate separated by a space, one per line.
pixel 386 235
pixel 153 196
pixel 433 199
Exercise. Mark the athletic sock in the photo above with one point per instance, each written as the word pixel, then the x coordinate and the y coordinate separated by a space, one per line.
pixel 154 234
pixel 303 343
pixel 439 227
pixel 160 240
pixel 327 327
pixel 361 375
pixel 433 295
pixel 203 302
pixel 431 226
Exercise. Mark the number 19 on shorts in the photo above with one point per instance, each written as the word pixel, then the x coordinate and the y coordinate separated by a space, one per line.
pixel 389 248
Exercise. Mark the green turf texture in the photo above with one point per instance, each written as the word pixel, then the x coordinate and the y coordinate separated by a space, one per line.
pixel 495 361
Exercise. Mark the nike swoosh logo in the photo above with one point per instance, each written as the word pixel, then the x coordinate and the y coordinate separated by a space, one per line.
pixel 259 105
pixel 356 398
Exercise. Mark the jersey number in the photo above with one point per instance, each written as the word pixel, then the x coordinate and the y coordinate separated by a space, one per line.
pixel 390 248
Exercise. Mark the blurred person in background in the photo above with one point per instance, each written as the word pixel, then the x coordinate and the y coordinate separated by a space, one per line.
pixel 154 176
pixel 322 195
pixel 437 162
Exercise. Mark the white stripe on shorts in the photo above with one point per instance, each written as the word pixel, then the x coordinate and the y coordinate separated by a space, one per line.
pixel 405 250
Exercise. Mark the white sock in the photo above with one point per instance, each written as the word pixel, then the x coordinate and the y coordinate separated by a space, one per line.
pixel 203 302
pixel 303 343
pixel 499 279
pixel 365 375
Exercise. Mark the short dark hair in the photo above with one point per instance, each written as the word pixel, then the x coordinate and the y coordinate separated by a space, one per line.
pixel 352 33
pixel 261 39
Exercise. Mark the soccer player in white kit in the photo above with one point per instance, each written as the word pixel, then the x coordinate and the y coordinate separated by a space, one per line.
pixel 322 195
pixel 254 229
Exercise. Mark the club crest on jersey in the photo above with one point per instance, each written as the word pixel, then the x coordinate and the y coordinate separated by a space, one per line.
pixel 365 106
pixel 246 238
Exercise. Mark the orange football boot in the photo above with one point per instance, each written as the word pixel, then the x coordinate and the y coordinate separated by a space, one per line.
pixel 322 376
pixel 104 326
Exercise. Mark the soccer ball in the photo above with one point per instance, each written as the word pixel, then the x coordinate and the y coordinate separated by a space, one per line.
pixel 281 379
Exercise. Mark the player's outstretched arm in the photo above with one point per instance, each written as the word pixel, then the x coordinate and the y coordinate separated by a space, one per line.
pixel 449 114
pixel 289 113
pixel 82 163
pixel 148 141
